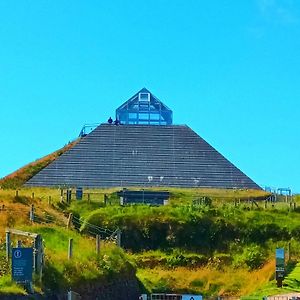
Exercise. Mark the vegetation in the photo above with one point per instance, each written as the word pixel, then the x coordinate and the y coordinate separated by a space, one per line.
pixel 18 178
pixel 59 273
pixel 215 246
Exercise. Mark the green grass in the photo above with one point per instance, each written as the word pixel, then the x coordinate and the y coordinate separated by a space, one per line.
pixel 8 287
pixel 291 283
pixel 212 249
pixel 61 273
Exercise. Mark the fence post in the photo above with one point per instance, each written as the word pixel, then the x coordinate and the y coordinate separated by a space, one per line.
pixel 7 233
pixel 31 213
pixel 69 196
pixel 49 200
pixel 38 254
pixel 70 249
pixel 119 238
pixel 34 260
pixel 61 195
pixel 97 244
pixel 69 220
pixel 32 196
pixel 88 198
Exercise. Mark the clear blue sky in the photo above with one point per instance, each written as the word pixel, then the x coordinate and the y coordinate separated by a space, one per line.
pixel 228 69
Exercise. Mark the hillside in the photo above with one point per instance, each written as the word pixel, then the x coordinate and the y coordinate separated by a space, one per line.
pixel 59 273
pixel 19 177
pixel 215 247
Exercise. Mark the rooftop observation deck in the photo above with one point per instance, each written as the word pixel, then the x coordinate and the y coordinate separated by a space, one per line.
pixel 144 108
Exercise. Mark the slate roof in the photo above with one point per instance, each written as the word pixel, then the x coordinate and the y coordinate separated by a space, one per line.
pixel 142 156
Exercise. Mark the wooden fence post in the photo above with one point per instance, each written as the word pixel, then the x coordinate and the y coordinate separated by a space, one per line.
pixel 34 267
pixel 69 196
pixel 31 213
pixel 88 198
pixel 38 254
pixel 49 200
pixel 69 220
pixel 97 244
pixel 119 238
pixel 70 249
pixel 7 233
pixel 32 196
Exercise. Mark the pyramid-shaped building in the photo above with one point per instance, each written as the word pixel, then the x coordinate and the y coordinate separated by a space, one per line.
pixel 142 149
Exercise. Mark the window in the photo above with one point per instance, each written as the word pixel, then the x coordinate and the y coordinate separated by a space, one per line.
pixel 144 96
pixel 154 116
pixel 143 116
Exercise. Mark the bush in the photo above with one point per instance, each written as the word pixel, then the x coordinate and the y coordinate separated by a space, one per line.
pixel 253 257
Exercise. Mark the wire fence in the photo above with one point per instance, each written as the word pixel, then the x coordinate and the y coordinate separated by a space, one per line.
pixel 80 224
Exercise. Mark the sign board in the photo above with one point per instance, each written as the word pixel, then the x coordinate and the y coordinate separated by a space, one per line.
pixel 22 262
pixel 279 263
pixel 191 297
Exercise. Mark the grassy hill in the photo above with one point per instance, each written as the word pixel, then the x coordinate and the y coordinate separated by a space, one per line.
pixel 214 247
pixel 59 273
pixel 19 177
pixel 211 249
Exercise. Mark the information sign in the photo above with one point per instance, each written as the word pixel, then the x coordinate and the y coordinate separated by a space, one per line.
pixel 22 263
pixel 191 297
pixel 279 263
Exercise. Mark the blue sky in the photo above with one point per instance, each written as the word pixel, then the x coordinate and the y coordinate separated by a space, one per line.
pixel 228 69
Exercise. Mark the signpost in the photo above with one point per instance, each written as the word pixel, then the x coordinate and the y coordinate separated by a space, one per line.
pixel 280 270
pixel 22 263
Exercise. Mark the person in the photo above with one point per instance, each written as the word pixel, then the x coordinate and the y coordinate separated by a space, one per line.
pixel 116 122
pixel 110 120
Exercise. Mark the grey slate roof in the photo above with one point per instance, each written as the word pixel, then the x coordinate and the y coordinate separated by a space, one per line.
pixel 142 155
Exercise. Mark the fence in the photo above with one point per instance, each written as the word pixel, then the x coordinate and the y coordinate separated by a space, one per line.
pixel 46 218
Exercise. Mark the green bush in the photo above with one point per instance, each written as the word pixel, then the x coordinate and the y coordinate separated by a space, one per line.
pixel 253 256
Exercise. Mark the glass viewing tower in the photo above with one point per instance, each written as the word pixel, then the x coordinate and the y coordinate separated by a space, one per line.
pixel 144 108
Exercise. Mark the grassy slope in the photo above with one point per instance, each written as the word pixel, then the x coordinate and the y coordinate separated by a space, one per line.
pixel 19 177
pixel 227 271
pixel 59 273
pixel 223 272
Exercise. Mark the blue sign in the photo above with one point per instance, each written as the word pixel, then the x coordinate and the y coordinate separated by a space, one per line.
pixel 22 263
pixel 191 297
pixel 280 270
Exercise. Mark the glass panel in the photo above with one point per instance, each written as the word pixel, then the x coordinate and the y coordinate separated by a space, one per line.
pixel 144 96
pixel 154 116
pixel 143 116
pixel 132 115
